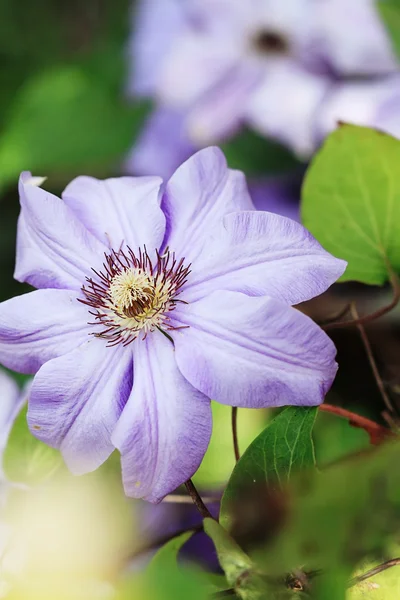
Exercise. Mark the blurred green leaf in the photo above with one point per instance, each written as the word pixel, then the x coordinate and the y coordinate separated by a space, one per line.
pixel 338 517
pixel 27 459
pixel 351 201
pixel 256 155
pixel 334 438
pixel 390 13
pixel 284 447
pixel 66 119
pixel 166 579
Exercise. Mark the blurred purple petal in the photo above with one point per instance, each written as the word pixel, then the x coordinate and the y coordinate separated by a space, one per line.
pixel 39 326
pixel 53 247
pixel 354 38
pixel 162 146
pixel 285 105
pixel 371 103
pixel 165 428
pixel 77 399
pixel 259 253
pixel 199 193
pixel 253 352
pixel 109 209
pixel 157 22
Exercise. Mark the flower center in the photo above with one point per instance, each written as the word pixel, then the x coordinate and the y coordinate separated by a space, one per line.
pixel 132 295
pixel 270 42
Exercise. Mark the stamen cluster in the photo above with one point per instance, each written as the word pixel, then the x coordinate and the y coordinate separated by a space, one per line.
pixel 132 295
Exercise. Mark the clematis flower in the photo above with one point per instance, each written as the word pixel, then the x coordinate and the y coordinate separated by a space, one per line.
pixel 228 62
pixel 12 400
pixel 152 302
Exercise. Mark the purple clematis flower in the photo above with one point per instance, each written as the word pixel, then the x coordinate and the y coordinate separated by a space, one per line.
pixel 152 302
pixel 228 62
pixel 12 400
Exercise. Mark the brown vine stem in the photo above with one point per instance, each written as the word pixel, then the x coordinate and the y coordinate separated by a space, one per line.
pixel 376 432
pixel 235 433
pixel 197 501
pixel 183 499
pixel 394 562
pixel 371 360
pixel 394 281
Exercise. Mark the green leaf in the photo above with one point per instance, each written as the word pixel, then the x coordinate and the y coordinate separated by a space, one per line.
pixel 390 13
pixel 284 447
pixel 256 155
pixel 166 579
pixel 66 119
pixel 351 201
pixel 338 517
pixel 27 459
pixel 384 586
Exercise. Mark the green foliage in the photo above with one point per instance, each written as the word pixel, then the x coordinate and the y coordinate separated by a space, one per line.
pixel 285 446
pixel 384 586
pixel 256 156
pixel 166 579
pixel 390 13
pixel 65 118
pixel 351 201
pixel 338 517
pixel 27 459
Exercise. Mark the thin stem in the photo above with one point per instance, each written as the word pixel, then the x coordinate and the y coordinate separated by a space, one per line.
pixel 235 433
pixel 375 315
pixel 377 432
pixel 183 499
pixel 372 362
pixel 394 562
pixel 197 501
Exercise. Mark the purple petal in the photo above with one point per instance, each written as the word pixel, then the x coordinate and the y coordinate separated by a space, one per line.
pixel 273 112
pixel 199 194
pixel 157 23
pixel 77 399
pixel 165 428
pixel 253 352
pixel 53 248
pixel 259 253
pixel 197 62
pixel 162 146
pixel 354 37
pixel 39 326
pixel 220 113
pixel 12 400
pixel 370 103
pixel 119 210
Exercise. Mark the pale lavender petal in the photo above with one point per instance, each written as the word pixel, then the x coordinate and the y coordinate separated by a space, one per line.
pixel 39 326
pixel 54 249
pixel 77 399
pixel 260 253
pixel 156 25
pixel 165 428
pixel 197 196
pixel 197 62
pixel 162 146
pixel 354 37
pixel 369 103
pixel 253 352
pixel 124 210
pixel 280 194
pixel 221 111
pixel 285 106
pixel 11 402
